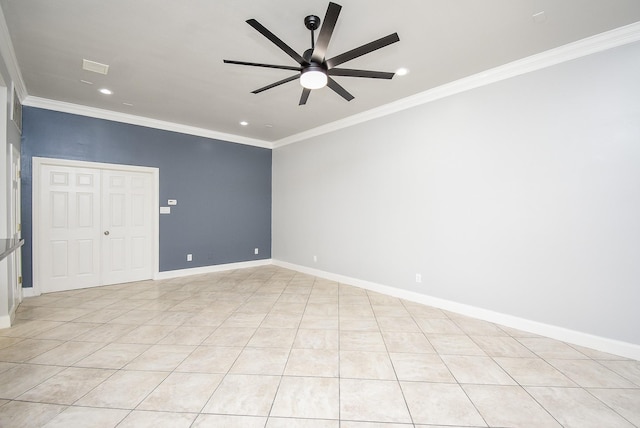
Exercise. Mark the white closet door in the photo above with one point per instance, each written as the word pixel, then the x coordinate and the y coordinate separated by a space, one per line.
pixel 96 227
pixel 127 222
pixel 69 227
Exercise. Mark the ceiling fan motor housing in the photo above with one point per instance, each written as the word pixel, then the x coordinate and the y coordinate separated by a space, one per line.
pixel 312 22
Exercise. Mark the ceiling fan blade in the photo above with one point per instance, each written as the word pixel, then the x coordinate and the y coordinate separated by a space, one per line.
pixel 339 89
pixel 276 41
pixel 363 50
pixel 278 83
pixel 255 64
pixel 330 19
pixel 360 73
pixel 304 97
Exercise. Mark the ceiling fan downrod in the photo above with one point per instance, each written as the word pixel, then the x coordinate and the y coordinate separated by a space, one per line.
pixel 312 22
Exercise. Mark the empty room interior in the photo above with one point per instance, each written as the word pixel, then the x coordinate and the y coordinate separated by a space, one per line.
pixel 360 214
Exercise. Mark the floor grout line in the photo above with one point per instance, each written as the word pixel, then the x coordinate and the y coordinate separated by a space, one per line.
pixel 165 308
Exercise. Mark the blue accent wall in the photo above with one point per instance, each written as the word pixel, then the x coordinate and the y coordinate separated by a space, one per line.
pixel 223 189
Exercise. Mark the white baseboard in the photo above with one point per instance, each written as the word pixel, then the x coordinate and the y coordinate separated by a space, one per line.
pixel 5 321
pixel 611 346
pixel 29 292
pixel 210 269
pixel 12 314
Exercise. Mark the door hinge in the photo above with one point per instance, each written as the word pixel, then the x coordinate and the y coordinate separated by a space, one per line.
pixel 20 279
pixel 19 175
pixel 19 227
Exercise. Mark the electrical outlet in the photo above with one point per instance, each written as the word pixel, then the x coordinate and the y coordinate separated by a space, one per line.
pixel 418 277
pixel 189 257
pixel 255 251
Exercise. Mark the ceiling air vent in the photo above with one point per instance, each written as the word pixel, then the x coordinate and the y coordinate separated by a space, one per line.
pixel 96 67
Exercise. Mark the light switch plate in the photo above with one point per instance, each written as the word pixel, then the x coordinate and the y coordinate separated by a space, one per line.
pixel 165 210
pixel 172 202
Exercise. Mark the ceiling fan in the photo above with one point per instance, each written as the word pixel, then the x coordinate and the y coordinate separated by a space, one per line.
pixel 314 70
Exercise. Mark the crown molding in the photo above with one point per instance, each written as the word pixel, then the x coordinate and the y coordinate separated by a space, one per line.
pixel 115 116
pixel 9 55
pixel 590 45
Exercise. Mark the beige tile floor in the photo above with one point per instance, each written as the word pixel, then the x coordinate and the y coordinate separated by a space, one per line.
pixel 269 347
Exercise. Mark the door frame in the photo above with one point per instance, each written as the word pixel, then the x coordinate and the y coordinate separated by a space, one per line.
pixel 38 162
pixel 15 225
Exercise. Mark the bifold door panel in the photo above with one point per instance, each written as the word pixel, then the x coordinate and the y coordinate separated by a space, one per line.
pixel 96 227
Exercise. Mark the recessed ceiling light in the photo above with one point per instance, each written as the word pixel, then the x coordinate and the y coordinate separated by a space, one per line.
pixel 128 104
pixel 244 123
pixel 106 91
pixel 402 71
pixel 86 82
pixel 268 125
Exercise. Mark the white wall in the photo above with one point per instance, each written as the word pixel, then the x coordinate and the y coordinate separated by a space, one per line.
pixel 521 197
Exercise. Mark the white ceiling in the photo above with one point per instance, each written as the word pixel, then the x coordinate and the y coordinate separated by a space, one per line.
pixel 165 56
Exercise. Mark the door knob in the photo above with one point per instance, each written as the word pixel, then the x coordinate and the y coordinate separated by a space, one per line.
pixel 106 232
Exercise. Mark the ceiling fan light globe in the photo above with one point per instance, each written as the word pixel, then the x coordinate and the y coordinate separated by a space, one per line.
pixel 313 78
